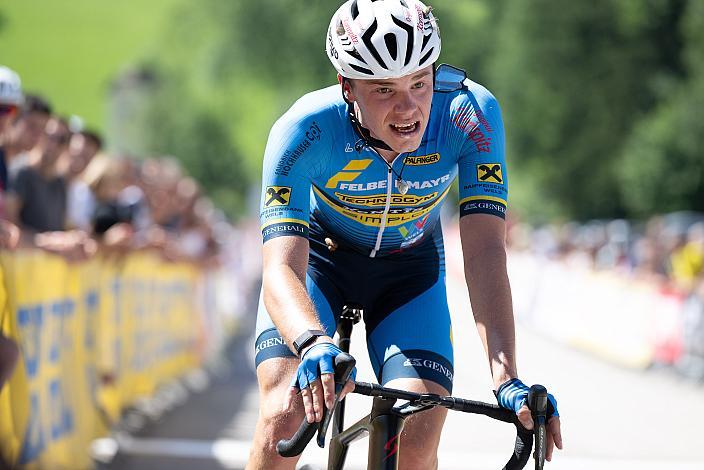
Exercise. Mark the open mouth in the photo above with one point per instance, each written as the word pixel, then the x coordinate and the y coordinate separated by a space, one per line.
pixel 406 129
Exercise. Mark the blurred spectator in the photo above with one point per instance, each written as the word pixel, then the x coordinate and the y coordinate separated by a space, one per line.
pixel 646 262
pixel 688 259
pixel 84 145
pixel 158 180
pixel 111 220
pixel 10 102
pixel 133 195
pixel 194 240
pixel 26 131
pixel 37 197
pixel 161 178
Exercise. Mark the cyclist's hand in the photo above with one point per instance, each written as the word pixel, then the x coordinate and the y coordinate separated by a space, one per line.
pixel 513 395
pixel 315 380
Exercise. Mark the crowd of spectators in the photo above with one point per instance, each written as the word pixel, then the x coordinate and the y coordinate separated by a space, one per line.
pixel 62 193
pixel 666 249
pixel 665 252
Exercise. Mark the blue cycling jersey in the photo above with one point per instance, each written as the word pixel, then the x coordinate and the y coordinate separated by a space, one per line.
pixel 319 174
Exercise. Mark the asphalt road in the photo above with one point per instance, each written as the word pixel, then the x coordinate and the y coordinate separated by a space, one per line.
pixel 612 418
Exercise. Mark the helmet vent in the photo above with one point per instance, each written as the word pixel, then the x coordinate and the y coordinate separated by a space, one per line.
pixel 353 52
pixel 361 69
pixel 367 39
pixel 426 38
pixel 391 45
pixel 409 35
pixel 354 10
pixel 425 57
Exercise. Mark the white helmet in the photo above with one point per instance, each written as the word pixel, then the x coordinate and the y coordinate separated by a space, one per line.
pixel 372 39
pixel 10 87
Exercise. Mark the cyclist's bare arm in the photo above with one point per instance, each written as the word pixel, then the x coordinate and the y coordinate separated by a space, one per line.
pixel 284 280
pixel 483 246
pixel 290 307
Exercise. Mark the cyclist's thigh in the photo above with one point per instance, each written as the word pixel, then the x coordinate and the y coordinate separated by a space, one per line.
pixel 269 342
pixel 275 422
pixel 274 378
pixel 415 340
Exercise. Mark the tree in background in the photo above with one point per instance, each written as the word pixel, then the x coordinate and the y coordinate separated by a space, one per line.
pixel 220 66
pixel 599 98
pixel 574 79
pixel 663 161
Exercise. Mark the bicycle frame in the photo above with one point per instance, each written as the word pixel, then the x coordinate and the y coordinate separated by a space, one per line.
pixel 350 316
pixel 383 426
pixel 385 422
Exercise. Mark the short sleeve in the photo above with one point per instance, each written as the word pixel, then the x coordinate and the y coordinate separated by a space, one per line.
pixel 483 183
pixel 291 161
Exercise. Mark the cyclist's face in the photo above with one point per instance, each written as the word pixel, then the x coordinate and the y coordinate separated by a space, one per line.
pixel 395 110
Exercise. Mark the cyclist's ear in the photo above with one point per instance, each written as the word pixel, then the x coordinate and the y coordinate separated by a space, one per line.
pixel 347 93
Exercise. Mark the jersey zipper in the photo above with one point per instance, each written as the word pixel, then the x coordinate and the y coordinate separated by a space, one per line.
pixel 382 225
pixel 389 189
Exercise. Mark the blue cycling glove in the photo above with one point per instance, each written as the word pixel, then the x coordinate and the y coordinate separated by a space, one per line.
pixel 317 360
pixel 513 395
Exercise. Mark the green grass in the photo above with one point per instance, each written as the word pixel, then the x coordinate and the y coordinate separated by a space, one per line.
pixel 70 50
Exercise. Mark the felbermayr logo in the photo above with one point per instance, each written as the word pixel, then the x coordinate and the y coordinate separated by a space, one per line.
pixel 349 173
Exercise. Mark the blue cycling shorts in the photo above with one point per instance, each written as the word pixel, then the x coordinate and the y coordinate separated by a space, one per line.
pixel 403 294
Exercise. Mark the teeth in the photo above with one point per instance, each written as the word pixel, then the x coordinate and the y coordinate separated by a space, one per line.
pixel 404 127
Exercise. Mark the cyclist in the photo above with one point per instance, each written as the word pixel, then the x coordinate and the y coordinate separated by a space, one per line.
pixel 354 177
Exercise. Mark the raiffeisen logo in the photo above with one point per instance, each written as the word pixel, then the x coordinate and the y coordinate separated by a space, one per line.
pixel 490 173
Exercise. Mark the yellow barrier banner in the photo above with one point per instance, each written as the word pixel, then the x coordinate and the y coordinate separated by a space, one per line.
pixel 94 338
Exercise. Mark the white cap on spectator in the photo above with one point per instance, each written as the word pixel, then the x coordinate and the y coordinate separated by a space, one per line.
pixel 10 87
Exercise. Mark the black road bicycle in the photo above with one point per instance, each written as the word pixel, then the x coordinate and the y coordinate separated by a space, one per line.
pixel 385 422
